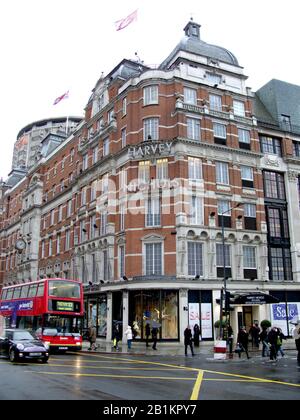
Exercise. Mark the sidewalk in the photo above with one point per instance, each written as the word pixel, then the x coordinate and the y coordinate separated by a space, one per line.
pixel 168 349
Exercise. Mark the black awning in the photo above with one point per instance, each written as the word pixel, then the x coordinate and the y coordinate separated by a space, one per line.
pixel 255 299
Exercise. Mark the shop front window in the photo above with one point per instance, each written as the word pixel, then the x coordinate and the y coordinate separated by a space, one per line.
pixel 156 306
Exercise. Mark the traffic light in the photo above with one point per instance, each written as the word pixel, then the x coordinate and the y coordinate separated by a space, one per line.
pixel 229 301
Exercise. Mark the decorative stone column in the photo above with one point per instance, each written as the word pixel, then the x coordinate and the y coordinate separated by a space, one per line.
pixel 183 313
pixel 125 314
pixel 109 317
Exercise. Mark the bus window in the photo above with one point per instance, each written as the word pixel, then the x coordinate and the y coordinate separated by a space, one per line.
pixel 64 289
pixel 24 291
pixel 32 290
pixel 9 294
pixel 17 291
pixel 4 292
pixel 40 291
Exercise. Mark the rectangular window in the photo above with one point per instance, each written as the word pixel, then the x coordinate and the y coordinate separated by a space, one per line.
pixel 220 133
pixel 50 247
pixel 280 264
pixel 83 196
pixel 103 223
pixel 123 137
pixel 224 213
pixel 144 171
pixel 250 216
pixel 215 102
pixel 162 169
pixel 220 252
pixel 249 261
pixel 190 96
pixel 153 259
pixel 69 208
pixel 195 259
pixel 122 216
pixel 60 213
pixel 196 211
pixel 93 227
pixel 239 108
pixel 124 106
pixel 195 169
pixel 193 129
pixel 274 185
pixel 85 162
pixel 83 232
pixel 270 145
pixel 52 217
pixel 151 129
pixel 67 241
pixel 247 177
pixel 151 95
pixel 58 243
pixel 153 212
pixel 244 139
pixel 43 249
pixel 222 173
pixel 106 147
pixel 95 154
pixel 215 79
pixel 94 190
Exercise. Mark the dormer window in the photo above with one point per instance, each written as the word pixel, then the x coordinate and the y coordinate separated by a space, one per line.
pixel 213 78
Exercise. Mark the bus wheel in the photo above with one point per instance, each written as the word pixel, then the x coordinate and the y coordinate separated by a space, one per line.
pixel 12 356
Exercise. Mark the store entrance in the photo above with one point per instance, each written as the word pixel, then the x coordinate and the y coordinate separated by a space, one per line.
pixel 248 317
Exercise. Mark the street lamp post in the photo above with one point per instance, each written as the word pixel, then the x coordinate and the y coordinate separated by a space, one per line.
pixel 224 288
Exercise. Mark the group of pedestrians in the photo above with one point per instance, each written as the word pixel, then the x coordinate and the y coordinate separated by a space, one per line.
pixel 271 340
pixel 191 338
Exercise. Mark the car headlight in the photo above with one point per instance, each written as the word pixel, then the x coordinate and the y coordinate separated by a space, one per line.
pixel 20 347
pixel 47 344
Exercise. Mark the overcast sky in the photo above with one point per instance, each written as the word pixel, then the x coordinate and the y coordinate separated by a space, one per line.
pixel 51 46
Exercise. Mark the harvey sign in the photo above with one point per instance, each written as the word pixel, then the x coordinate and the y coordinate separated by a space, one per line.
pixel 150 149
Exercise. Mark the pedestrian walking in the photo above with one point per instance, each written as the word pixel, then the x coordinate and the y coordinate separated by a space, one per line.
pixel 242 340
pixel 92 338
pixel 280 337
pixel 296 335
pixel 254 331
pixel 197 335
pixel 230 337
pixel 154 333
pixel 128 334
pixel 116 336
pixel 147 333
pixel 188 340
pixel 273 340
pixel 263 336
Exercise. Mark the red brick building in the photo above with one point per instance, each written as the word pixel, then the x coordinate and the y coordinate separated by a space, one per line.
pixel 132 202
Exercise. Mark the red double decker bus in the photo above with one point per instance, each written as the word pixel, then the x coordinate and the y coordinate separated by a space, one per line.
pixel 51 308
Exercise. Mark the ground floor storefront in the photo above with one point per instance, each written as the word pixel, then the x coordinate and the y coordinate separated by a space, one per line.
pixel 172 309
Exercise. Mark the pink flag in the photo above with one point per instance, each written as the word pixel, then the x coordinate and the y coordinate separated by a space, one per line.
pixel 60 98
pixel 121 24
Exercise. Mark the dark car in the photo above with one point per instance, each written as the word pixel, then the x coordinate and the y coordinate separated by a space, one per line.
pixel 19 345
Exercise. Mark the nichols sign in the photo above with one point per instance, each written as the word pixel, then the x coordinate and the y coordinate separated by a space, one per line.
pixel 150 149
pixel 255 299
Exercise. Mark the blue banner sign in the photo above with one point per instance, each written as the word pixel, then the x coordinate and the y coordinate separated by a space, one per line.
pixel 279 311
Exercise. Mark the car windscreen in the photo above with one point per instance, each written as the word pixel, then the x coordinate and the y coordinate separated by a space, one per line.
pixel 22 335
pixel 64 289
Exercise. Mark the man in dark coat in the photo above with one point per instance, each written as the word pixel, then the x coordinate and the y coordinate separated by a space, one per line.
pixel 147 332
pixel 154 333
pixel 242 339
pixel 272 339
pixel 254 331
pixel 188 340
pixel 196 335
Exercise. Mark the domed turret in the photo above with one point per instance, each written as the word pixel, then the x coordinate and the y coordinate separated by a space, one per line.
pixel 192 43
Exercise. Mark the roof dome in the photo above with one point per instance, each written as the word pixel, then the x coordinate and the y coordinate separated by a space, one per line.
pixel 193 44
